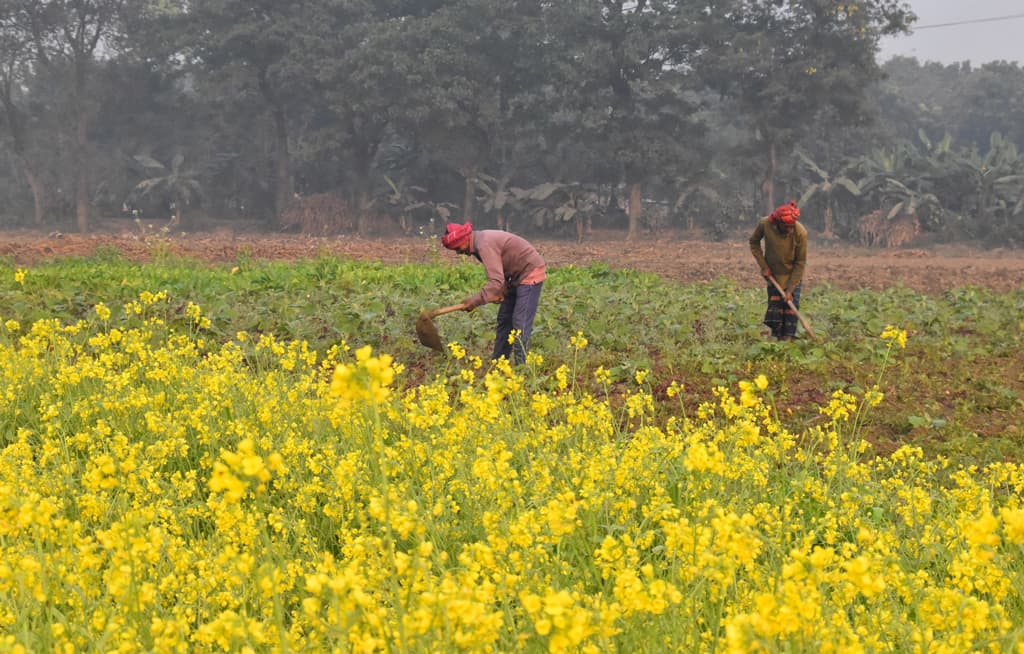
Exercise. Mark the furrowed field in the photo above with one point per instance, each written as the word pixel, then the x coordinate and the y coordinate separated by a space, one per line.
pixel 260 457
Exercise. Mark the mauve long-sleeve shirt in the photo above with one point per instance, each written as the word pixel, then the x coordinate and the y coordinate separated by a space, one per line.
pixel 784 254
pixel 508 259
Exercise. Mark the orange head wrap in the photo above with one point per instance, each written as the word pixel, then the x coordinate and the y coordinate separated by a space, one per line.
pixel 787 214
pixel 457 236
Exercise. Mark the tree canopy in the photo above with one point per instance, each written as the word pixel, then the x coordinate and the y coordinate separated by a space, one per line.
pixel 524 114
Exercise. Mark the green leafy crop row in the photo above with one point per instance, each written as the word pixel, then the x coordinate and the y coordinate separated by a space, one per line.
pixel 957 390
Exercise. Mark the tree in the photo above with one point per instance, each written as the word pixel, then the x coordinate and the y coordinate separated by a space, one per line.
pixel 986 100
pixel 634 92
pixel 911 97
pixel 16 72
pixel 791 59
pixel 475 78
pixel 68 34
pixel 255 49
pixel 363 66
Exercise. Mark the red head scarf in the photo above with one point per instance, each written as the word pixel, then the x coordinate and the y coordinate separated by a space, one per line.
pixel 787 214
pixel 457 236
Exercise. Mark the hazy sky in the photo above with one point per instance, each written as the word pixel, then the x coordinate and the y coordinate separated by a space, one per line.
pixel 977 42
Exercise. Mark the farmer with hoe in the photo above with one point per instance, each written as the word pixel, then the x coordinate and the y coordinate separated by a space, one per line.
pixel 783 261
pixel 515 275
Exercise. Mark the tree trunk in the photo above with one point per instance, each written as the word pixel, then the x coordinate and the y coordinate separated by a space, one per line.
pixel 81 150
pixel 16 127
pixel 828 220
pixel 38 194
pixel 282 163
pixel 470 193
pixel 179 215
pixel 768 188
pixel 498 191
pixel 282 166
pixel 635 207
pixel 363 204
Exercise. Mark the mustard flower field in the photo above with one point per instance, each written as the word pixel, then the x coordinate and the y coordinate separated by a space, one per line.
pixel 180 471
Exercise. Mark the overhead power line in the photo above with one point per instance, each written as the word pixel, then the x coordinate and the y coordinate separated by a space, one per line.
pixel 993 19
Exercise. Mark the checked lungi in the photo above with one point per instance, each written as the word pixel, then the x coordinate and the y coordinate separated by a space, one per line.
pixel 779 317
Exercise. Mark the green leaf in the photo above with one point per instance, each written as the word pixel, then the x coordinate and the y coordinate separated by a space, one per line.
pixel 149 163
pixel 851 186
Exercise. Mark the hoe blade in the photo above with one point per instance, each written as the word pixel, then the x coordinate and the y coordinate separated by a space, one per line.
pixel 427 332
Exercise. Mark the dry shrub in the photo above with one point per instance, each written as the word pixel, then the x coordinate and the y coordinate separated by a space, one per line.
pixel 878 230
pixel 320 214
pixel 869 228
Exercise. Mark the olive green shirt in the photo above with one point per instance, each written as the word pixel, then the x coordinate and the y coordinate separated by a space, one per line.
pixel 784 254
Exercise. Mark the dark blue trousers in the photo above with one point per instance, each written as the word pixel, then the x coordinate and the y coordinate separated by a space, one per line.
pixel 517 311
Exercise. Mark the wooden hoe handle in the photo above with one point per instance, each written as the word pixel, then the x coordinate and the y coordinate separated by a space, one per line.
pixel 443 310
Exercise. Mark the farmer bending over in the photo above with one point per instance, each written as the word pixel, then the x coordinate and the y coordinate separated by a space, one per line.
pixel 515 275
pixel 785 257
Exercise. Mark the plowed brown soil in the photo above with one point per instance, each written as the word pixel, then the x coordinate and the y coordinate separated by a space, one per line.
pixel 677 256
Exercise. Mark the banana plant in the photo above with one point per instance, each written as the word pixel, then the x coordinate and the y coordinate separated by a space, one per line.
pixel 998 182
pixel 181 183
pixel 497 199
pixel 404 199
pixel 901 179
pixel 556 203
pixel 901 199
pixel 547 204
pixel 827 187
pixel 941 148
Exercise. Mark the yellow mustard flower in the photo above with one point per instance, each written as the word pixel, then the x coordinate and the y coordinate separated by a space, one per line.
pixel 579 341
pixel 514 335
pixel 895 335
pixel 457 350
